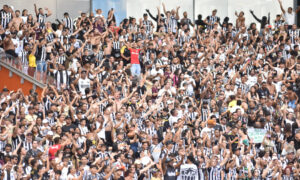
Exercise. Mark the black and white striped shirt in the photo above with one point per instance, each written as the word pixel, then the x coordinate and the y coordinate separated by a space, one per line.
pixel 294 34
pixel 174 67
pixel 212 20
pixel 6 17
pixel 67 46
pixel 148 26
pixel 285 177
pixel 50 37
pixel 41 53
pixel 15 142
pixel 27 145
pixel 278 24
pixel 214 173
pixel 2 145
pixel 172 24
pixel 232 174
pixel 116 45
pixel 68 23
pixel 61 59
pixel 23 56
pixel 204 114
pixel 41 19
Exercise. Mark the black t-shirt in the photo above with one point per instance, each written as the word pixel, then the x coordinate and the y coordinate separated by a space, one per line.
pixel 170 173
pixel 201 23
pixel 263 92
pixel 87 59
pixel 66 128
pixel 234 144
pixel 141 90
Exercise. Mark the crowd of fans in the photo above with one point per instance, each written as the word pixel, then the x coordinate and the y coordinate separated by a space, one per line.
pixel 160 97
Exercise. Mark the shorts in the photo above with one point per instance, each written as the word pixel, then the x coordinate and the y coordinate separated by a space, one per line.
pixel 41 66
pixel 11 53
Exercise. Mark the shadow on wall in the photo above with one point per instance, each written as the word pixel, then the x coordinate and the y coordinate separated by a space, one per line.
pixel 14 82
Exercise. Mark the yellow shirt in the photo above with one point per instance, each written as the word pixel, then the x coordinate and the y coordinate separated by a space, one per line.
pixel 30 118
pixel 32 61
pixel 123 49
pixel 232 104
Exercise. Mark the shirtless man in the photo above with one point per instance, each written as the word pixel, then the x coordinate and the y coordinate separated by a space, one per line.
pixel 108 125
pixel 240 21
pixel 8 45
pixel 271 87
pixel 118 102
pixel 17 20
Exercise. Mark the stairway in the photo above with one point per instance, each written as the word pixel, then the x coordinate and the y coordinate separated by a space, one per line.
pixel 13 78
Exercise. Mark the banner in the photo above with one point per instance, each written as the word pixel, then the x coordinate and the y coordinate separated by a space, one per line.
pixel 256 134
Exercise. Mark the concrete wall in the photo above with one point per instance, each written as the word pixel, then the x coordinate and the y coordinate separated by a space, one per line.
pixel 14 82
pixel 205 7
pixel 58 7
pixel 136 8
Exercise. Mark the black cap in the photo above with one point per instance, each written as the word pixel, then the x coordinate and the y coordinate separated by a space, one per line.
pixel 5 90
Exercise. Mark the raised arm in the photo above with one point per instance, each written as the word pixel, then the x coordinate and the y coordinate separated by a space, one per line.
pixel 164 8
pixel 152 17
pixel 259 20
pixel 177 14
pixel 35 9
pixel 49 12
pixel 281 7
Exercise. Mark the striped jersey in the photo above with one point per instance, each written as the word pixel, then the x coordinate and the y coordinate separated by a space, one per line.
pixel 212 20
pixel 6 17
pixel 41 19
pixel 68 23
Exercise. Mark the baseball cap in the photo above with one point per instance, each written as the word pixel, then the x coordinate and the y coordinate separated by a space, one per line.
pixel 50 133
pixel 137 161
pixel 45 121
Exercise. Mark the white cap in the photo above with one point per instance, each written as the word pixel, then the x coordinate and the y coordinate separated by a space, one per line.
pixel 45 121
pixel 50 133
pixel 186 76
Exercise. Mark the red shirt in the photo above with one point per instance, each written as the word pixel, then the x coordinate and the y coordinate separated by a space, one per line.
pixel 134 56
pixel 53 149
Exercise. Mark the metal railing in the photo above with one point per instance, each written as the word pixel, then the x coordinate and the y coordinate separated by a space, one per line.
pixel 17 67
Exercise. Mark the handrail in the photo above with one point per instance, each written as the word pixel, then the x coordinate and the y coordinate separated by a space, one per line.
pixel 19 72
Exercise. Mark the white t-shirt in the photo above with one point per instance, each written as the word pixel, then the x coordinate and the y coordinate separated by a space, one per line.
pixel 252 80
pixel 278 86
pixel 83 84
pixel 188 171
pixel 171 91
pixel 71 177
pixel 155 72
pixel 279 70
pixel 24 18
pixel 290 18
pixel 190 88
pixel 58 32
pixel 156 151
pixel 206 130
pixel 173 119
